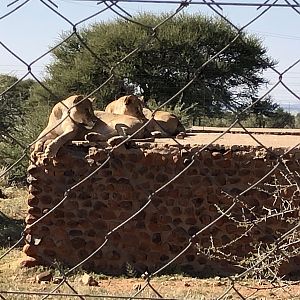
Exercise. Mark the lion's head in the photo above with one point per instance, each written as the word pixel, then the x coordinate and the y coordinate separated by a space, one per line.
pixel 82 111
pixel 131 105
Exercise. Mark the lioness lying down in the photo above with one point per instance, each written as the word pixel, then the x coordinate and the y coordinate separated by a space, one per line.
pixel 127 105
pixel 83 122
pixel 109 125
pixel 63 126
pixel 166 123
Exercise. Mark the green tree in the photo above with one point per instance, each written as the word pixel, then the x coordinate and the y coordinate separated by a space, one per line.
pixel 163 65
pixel 21 120
pixel 264 109
pixel 13 99
pixel 297 120
pixel 281 119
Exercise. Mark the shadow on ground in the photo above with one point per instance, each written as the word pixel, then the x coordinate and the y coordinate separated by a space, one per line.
pixel 10 230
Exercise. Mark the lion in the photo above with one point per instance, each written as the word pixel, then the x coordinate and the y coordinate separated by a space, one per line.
pixel 83 123
pixel 127 105
pixel 66 119
pixel 164 124
pixel 111 125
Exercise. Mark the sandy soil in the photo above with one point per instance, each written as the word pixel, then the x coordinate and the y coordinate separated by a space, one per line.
pixel 275 138
pixel 180 287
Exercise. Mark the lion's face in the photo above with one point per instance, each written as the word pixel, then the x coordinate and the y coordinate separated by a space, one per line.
pixel 83 113
pixel 132 106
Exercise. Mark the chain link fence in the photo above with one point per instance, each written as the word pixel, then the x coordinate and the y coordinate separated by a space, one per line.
pixel 263 264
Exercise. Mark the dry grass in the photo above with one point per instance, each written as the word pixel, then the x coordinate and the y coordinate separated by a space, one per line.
pixel 3 177
pixel 12 214
pixel 15 206
pixel 15 278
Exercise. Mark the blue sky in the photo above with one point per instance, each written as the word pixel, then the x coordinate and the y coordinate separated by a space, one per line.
pixel 30 30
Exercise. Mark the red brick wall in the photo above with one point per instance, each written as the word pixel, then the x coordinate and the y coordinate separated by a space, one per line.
pixel 78 226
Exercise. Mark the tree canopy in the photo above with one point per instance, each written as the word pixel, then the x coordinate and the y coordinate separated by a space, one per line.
pixel 165 64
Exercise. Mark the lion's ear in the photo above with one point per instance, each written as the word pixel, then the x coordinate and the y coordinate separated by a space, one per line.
pixel 78 98
pixel 142 99
pixel 128 100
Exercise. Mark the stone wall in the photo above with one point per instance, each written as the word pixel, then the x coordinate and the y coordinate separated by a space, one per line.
pixel 79 225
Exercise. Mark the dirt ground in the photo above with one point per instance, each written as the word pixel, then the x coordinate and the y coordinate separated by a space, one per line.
pixel 194 288
pixel 13 279
pixel 275 138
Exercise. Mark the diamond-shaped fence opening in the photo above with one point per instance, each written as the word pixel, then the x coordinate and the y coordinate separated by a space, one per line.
pixel 239 203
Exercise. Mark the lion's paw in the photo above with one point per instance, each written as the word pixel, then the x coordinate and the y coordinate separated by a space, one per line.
pixel 156 134
pixel 50 151
pixel 116 140
pixel 94 137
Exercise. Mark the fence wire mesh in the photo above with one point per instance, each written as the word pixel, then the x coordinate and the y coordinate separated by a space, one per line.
pixel 263 263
